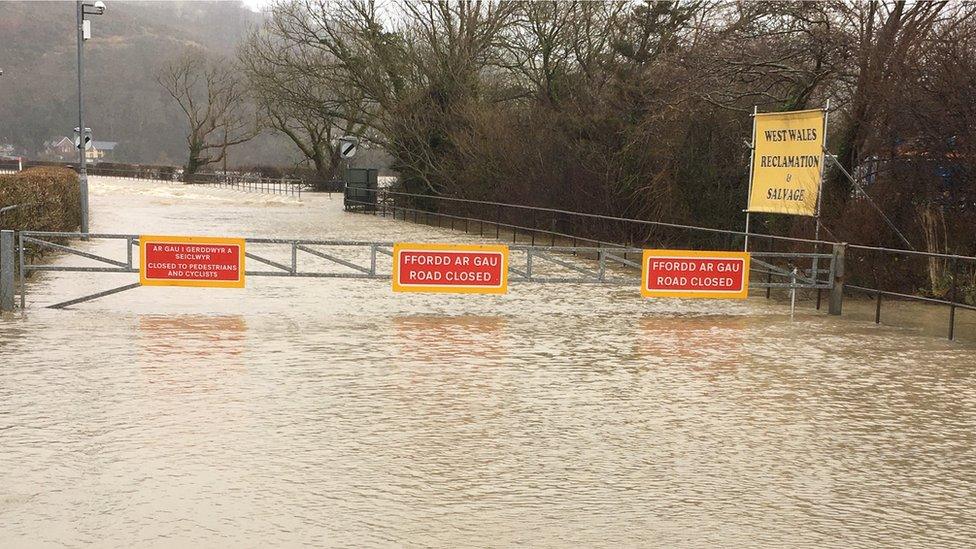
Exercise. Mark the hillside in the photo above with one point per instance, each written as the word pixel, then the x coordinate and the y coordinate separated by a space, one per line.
pixel 123 103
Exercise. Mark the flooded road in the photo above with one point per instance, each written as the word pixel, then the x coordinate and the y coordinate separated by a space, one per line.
pixel 309 412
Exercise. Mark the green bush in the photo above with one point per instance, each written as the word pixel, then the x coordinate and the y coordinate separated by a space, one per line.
pixel 49 199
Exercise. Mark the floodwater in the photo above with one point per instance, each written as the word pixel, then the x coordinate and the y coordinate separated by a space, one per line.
pixel 332 412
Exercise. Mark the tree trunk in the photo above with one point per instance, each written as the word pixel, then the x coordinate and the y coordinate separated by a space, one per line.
pixel 192 165
pixel 335 165
pixel 933 219
pixel 326 170
pixel 193 162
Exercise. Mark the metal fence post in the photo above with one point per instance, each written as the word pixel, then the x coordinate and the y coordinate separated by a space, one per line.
pixel 6 270
pixel 22 271
pixel 498 220
pixel 952 298
pixel 837 290
pixel 877 309
pixel 793 292
pixel 294 257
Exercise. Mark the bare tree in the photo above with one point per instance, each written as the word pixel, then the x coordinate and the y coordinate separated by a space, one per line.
pixel 290 82
pixel 213 97
pixel 639 108
pixel 414 64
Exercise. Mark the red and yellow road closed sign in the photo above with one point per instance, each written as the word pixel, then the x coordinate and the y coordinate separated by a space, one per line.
pixel 457 268
pixel 696 274
pixel 191 261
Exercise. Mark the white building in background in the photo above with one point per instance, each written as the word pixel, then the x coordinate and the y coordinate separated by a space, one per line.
pixel 100 151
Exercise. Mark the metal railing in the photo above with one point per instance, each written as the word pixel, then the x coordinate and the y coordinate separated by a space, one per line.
pixel 957 267
pixel 361 259
pixel 387 199
pixel 229 180
pixel 242 181
pixel 289 187
pixel 13 207
pixel 105 264
pixel 386 204
pixel 239 180
pixel 566 226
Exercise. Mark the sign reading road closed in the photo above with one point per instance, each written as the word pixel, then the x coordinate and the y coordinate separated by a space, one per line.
pixel 191 261
pixel 695 274
pixel 787 162
pixel 473 269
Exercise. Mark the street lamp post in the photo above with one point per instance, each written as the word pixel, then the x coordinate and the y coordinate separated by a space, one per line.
pixel 83 8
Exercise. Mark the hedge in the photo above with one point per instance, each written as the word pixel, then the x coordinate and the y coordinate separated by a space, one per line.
pixel 49 200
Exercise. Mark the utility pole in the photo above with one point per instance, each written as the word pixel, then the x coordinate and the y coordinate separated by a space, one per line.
pixel 83 9
pixel 82 171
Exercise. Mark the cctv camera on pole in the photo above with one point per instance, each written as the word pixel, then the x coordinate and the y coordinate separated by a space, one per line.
pixel 84 33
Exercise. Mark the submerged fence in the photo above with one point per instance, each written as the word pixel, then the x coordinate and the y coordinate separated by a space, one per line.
pixel 302 258
pixel 955 275
pixel 242 180
pixel 290 187
pixel 231 180
pixel 534 224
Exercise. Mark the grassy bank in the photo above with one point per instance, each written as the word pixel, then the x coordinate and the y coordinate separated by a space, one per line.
pixel 48 200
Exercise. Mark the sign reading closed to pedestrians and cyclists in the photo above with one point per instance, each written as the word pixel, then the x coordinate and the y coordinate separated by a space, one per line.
pixel 191 261
pixel 695 274
pixel 457 268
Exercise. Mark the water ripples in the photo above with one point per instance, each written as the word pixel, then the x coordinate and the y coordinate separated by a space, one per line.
pixel 333 413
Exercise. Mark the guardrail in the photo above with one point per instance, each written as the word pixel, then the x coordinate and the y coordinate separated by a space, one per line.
pixel 243 181
pixel 357 259
pixel 14 207
pixel 534 222
pixel 289 187
pixel 505 214
pixel 230 180
pixel 956 268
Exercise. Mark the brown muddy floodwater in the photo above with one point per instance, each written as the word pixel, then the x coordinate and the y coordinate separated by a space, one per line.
pixel 333 413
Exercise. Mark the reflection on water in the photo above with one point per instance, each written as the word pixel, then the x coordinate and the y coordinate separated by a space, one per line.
pixel 335 413
pixel 722 339
pixel 198 336
pixel 434 338
pixel 191 353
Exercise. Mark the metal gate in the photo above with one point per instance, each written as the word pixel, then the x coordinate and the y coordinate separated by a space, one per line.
pixel 304 258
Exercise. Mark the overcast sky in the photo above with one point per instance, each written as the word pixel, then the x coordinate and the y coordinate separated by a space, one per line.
pixel 257 5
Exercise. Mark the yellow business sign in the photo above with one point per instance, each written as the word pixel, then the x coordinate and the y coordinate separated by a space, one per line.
pixel 787 162
pixel 455 268
pixel 191 261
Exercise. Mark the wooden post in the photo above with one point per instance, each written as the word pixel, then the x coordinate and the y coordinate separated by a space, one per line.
pixel 837 291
